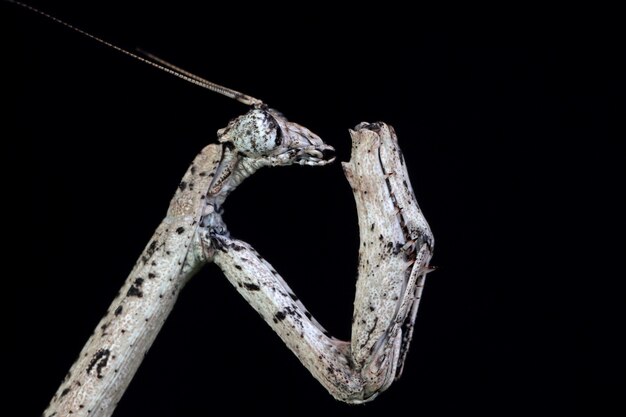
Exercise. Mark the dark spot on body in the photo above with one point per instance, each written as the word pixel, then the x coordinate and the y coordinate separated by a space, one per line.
pixel 280 316
pixel 202 174
pixel 398 248
pixel 251 287
pixel 238 267
pixel 134 290
pixel 150 251
pixel 99 360
pixel 369 335
pixel 180 230
pixel 193 169
pixel 118 311
pixel 64 392
pixel 151 275
pixel 182 185
pixel 372 226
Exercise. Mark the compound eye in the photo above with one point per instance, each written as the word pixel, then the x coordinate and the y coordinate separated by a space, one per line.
pixel 256 133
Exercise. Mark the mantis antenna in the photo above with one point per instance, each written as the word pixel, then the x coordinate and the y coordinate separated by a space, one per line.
pixel 155 62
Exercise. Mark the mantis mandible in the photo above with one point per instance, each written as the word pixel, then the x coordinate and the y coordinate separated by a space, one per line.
pixel 394 255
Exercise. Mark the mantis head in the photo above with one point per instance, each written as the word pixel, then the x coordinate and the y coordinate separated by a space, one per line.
pixel 265 133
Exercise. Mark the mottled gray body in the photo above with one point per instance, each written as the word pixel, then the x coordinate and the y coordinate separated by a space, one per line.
pixel 179 247
pixel 396 247
pixel 395 251
pixel 116 348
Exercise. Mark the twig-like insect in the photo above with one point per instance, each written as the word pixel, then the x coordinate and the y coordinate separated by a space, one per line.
pixel 394 255
pixel 396 247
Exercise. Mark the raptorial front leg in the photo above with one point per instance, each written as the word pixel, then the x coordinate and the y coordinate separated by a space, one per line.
pixel 327 358
pixel 396 247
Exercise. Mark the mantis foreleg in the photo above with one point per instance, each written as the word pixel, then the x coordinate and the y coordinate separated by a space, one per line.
pixel 396 247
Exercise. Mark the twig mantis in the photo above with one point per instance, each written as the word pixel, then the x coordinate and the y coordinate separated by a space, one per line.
pixel 396 247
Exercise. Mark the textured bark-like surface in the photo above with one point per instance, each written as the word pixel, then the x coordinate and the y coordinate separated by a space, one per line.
pixel 396 246
pixel 109 360
pixel 395 249
pixel 327 358
pixel 180 245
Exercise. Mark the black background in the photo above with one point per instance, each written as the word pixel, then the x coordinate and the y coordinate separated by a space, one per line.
pixel 510 131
